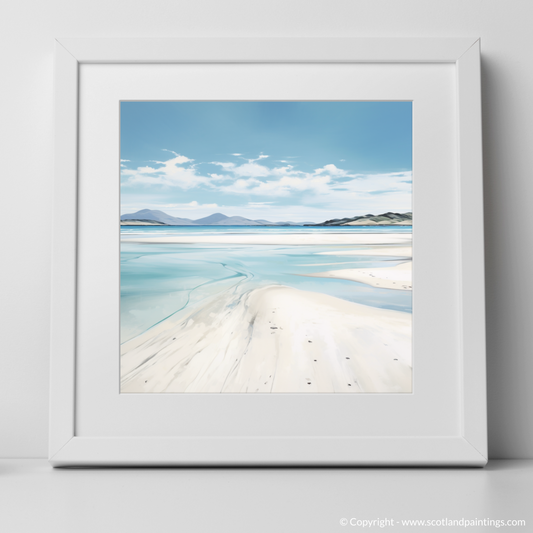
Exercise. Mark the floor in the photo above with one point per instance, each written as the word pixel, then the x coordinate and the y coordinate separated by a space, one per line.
pixel 37 498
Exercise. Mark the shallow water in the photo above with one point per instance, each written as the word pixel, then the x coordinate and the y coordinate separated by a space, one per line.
pixel 159 280
pixel 157 231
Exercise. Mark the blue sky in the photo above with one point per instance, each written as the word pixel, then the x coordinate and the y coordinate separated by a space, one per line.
pixel 298 161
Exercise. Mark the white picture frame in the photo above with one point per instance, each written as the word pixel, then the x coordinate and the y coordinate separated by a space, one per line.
pixel 467 445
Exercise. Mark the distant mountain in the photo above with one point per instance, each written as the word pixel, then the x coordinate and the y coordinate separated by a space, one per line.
pixel 385 219
pixel 211 219
pixel 216 219
pixel 159 216
pixel 239 221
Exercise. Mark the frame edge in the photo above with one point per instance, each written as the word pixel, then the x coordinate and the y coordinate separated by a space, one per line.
pixel 472 249
pixel 266 50
pixel 64 245
pixel 268 451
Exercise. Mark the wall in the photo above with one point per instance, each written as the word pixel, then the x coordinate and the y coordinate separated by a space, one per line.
pixel 27 30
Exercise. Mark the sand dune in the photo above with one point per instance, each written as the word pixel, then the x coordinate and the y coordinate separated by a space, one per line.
pixel 273 339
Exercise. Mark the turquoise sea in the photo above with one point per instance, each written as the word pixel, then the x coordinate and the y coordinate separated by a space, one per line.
pixel 160 280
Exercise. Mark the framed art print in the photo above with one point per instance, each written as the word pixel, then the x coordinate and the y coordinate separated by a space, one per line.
pixel 268 251
pixel 306 287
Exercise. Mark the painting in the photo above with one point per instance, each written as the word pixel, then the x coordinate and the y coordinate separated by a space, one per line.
pixel 266 247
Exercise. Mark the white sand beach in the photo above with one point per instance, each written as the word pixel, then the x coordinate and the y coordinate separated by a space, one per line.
pixel 398 277
pixel 273 339
pixel 293 238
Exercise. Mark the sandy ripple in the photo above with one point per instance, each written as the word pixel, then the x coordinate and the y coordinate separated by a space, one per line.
pixel 273 339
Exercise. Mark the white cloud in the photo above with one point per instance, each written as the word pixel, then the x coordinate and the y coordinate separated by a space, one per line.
pixel 332 170
pixel 256 170
pixel 139 170
pixel 284 180
pixel 261 156
pixel 285 171
pixel 328 188
pixel 252 170
pixel 186 178
pixel 124 160
pixel 171 174
pixel 237 155
pixel 178 160
pixel 226 166
pixel 280 187
pixel 220 177
pixel 354 195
